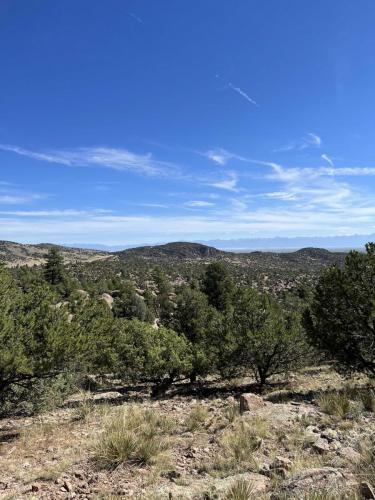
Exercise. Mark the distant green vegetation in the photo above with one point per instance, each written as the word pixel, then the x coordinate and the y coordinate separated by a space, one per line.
pixel 56 328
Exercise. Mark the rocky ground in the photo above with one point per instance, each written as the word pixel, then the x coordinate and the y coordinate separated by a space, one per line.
pixel 311 437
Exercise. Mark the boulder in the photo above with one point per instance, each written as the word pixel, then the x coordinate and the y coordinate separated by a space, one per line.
pixel 350 455
pixel 108 299
pixel 101 397
pixel 250 402
pixel 282 463
pixel 321 445
pixel 329 434
pixel 326 479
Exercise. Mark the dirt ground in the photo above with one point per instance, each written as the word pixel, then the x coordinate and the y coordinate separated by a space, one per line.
pixel 310 436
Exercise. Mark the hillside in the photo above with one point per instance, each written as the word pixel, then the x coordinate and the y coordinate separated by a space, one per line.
pixel 182 261
pixel 175 250
pixel 17 254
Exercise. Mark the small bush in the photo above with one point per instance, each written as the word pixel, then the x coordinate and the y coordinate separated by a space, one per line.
pixel 85 408
pixel 335 404
pixel 366 467
pixel 241 441
pixel 231 412
pixel 240 490
pixel 135 436
pixel 196 419
pixel 368 400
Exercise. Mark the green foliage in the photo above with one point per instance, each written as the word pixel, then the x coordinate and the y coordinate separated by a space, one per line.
pixel 199 322
pixel 34 334
pixel 54 271
pixel 93 332
pixel 128 304
pixel 218 286
pixel 269 341
pixel 145 353
pixel 135 436
pixel 341 318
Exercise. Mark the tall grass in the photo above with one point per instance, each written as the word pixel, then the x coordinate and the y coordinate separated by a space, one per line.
pixel 335 404
pixel 196 419
pixel 135 436
pixel 240 490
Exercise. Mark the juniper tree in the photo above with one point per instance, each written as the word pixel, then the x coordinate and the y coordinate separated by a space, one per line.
pixel 341 318
pixel 269 340
pixel 218 286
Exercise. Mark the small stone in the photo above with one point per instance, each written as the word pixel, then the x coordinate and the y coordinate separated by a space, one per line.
pixel 250 402
pixel 68 486
pixel 350 455
pixel 282 463
pixel 35 488
pixel 280 472
pixel 329 434
pixel 321 445
pixel 367 491
pixel 312 429
pixel 171 474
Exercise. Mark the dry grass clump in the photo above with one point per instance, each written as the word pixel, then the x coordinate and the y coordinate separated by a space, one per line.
pixel 231 412
pixel 323 495
pixel 335 404
pixel 240 490
pixel 134 435
pixel 85 407
pixel 368 400
pixel 243 439
pixel 196 419
pixel 238 443
pixel 366 467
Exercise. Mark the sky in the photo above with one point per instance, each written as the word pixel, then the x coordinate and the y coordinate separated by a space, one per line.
pixel 134 121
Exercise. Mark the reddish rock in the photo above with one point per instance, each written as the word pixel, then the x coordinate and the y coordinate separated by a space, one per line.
pixel 250 402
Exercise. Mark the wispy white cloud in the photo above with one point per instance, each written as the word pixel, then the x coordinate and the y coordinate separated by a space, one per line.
pixel 18 199
pixel 153 205
pixel 229 184
pixel 219 156
pixel 11 194
pixel 309 140
pixel 312 139
pixel 281 195
pixel 137 18
pixel 199 204
pixel 261 221
pixel 56 213
pixel 243 94
pixel 114 158
pixel 327 159
pixel 238 90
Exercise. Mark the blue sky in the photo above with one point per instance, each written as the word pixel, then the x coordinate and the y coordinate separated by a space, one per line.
pixel 134 121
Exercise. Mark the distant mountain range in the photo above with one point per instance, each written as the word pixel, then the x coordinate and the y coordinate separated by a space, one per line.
pixel 356 241
pixel 14 254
